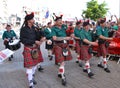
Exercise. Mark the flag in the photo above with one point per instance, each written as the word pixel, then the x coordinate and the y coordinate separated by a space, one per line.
pixel 47 14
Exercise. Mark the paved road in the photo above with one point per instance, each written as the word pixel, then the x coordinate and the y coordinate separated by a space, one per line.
pixel 12 74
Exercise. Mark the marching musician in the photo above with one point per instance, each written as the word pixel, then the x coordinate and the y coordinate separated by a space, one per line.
pixel 49 42
pixel 32 54
pixel 61 48
pixel 86 43
pixel 8 36
pixel 102 32
pixel 77 32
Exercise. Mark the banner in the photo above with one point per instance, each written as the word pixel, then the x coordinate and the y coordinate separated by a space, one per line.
pixel 4 54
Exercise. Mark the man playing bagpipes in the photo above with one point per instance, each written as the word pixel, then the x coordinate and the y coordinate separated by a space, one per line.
pixel 61 48
pixel 49 42
pixel 102 32
pixel 32 54
pixel 8 36
pixel 77 32
pixel 86 43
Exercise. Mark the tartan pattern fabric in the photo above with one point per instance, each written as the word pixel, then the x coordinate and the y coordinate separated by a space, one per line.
pixel 28 60
pixel 58 53
pixel 84 53
pixel 77 47
pixel 102 50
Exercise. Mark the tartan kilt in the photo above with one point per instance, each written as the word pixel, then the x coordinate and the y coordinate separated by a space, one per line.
pixel 77 47
pixel 84 53
pixel 102 50
pixel 48 46
pixel 28 60
pixel 58 53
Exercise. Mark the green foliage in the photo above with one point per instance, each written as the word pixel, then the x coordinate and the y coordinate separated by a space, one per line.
pixel 95 10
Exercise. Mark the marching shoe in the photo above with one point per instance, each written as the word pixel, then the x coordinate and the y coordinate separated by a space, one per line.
pixel 59 75
pixel 40 68
pixel 107 70
pixel 100 65
pixel 31 87
pixel 34 82
pixel 64 82
pixel 50 58
pixel 80 64
pixel 9 59
pixel 85 70
pixel 77 61
pixel 11 56
pixel 90 74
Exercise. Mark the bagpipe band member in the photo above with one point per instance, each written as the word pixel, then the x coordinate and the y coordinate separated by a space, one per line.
pixel 49 42
pixel 32 54
pixel 102 33
pixel 8 36
pixel 86 44
pixel 77 32
pixel 61 48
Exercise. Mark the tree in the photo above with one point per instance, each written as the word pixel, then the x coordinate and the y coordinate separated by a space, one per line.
pixel 95 10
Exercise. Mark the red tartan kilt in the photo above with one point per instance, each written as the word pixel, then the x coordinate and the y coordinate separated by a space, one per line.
pixel 84 53
pixel 28 60
pixel 58 53
pixel 77 47
pixel 102 50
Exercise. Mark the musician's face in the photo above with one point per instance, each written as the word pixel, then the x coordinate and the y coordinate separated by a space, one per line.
pixel 59 22
pixel 32 21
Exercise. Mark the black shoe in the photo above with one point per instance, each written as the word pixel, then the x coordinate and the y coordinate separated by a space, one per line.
pixel 31 87
pixel 10 59
pixel 34 82
pixel 11 56
pixel 100 65
pixel 80 64
pixel 85 70
pixel 40 68
pixel 77 61
pixel 50 58
pixel 57 64
pixel 64 82
pixel 107 70
pixel 59 75
pixel 90 74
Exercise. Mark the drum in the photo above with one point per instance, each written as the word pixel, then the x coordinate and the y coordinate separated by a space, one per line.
pixel 14 44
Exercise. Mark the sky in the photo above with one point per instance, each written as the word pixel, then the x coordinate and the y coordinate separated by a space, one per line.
pixel 71 7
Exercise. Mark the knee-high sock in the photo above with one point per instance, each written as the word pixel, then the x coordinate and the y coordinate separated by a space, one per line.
pixel 30 76
pixel 62 70
pixel 105 62
pixel 101 60
pixel 87 66
pixel 38 65
pixel 34 69
pixel 49 52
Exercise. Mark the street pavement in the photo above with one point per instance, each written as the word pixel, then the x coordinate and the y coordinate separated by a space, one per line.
pixel 12 74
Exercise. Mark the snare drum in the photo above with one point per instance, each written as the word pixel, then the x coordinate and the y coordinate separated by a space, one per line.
pixel 14 45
